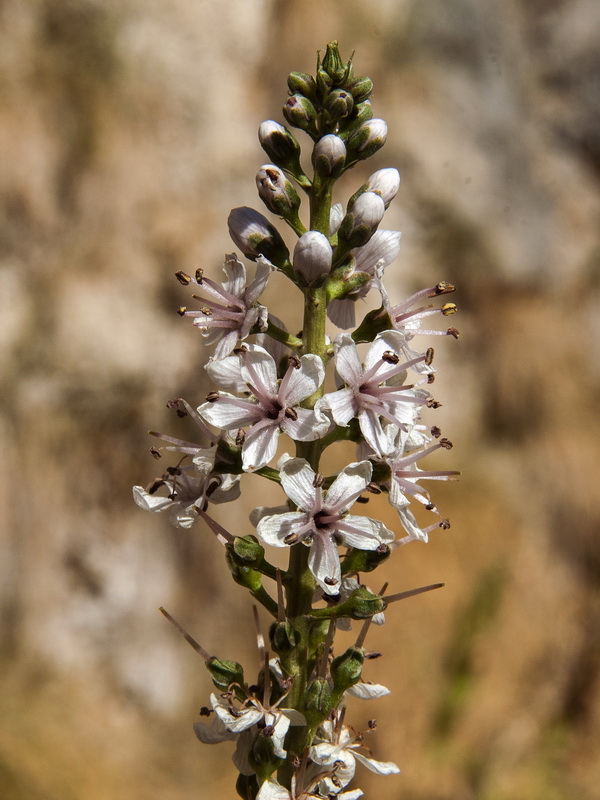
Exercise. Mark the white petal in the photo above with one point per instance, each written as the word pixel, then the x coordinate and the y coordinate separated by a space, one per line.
pixel 309 426
pixel 324 562
pixel 260 446
pixel 368 691
pixel 370 425
pixel 409 523
pixel 259 370
pixel 335 218
pixel 364 533
pixel 236 724
pixel 228 416
pixel 226 343
pixel 380 767
pixel 312 256
pixel 226 374
pixel 214 733
pixel 150 502
pixel 304 381
pixel 271 790
pixel 258 284
pixel 280 728
pixel 351 481
pixel 342 405
pixel 347 361
pixel 383 247
pixel 388 340
pixel 274 529
pixel 297 480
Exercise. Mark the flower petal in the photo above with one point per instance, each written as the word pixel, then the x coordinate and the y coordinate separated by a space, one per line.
pixel 297 479
pixel 342 405
pixel 324 563
pixel 276 527
pixel 303 381
pixel 350 482
pixel 260 445
pixel 380 767
pixel 347 361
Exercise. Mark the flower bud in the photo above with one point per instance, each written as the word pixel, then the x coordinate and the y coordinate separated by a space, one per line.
pixel 279 144
pixel 365 560
pixel 317 700
pixel 277 192
pixel 283 637
pixel 329 156
pixel 224 673
pixel 302 83
pixel 333 65
pixel 312 256
pixel 361 222
pixel 385 183
pixel 368 138
pixel 347 669
pixel 361 88
pixel 300 113
pixel 336 216
pixel 339 105
pixel 255 236
pixel 247 550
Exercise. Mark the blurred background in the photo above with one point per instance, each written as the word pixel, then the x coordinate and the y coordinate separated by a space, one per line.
pixel 127 132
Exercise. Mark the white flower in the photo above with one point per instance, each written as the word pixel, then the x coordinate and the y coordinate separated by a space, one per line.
pixel 322 521
pixel 233 310
pixel 271 790
pixel 370 391
pixel 338 750
pixel 275 407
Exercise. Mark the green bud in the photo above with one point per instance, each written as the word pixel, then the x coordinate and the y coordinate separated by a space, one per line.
pixel 224 673
pixel 302 83
pixel 339 105
pixel 347 669
pixel 367 139
pixel 300 113
pixel 333 65
pixel 362 113
pixel 362 220
pixel 262 753
pixel 363 604
pixel 346 284
pixel 365 560
pixel 360 88
pixel 373 323
pixel 317 699
pixel 247 550
pixel 246 786
pixel 283 637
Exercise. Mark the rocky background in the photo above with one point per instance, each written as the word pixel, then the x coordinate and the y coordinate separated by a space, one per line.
pixel 127 132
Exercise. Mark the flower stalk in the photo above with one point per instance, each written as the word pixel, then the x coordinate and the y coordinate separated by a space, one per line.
pixel 270 395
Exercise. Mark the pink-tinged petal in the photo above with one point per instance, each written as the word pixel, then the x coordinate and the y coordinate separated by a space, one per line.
pixel 324 563
pixel 410 525
pixel 250 319
pixel 381 249
pixel 309 426
pixel 351 481
pixel 387 341
pixel 226 344
pixel 235 271
pixel 363 533
pixel 260 445
pixel 258 284
pixel 274 529
pixel 259 370
pixel 379 767
pixel 303 381
pixel 368 691
pixel 370 426
pixel 226 374
pixel 336 216
pixel 342 313
pixel 229 416
pixel 297 480
pixel 347 361
pixel 342 405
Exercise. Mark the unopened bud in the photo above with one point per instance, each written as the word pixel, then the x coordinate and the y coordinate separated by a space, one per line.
pixel 368 139
pixel 333 64
pixel 329 156
pixel 224 672
pixel 347 669
pixel 361 88
pixel 302 83
pixel 255 236
pixel 279 144
pixel 317 700
pixel 365 560
pixel 312 256
pixel 385 183
pixel 339 105
pixel 300 113
pixel 283 637
pixel 361 222
pixel 276 191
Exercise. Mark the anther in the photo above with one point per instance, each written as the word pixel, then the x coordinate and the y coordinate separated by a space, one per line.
pixel 443 287
pixel 206 311
pixel 390 357
pixel 268 730
pixel 173 471
pixel 453 332
pixel 318 480
pixel 436 432
pixel 240 437
pixel 241 350
pixel 291 538
pixel 331 581
pixel 294 361
pixel 155 486
pixel 373 654
pixel 445 524
pixel 212 397
pixel 155 453
pixel 431 403
pixel 183 278
pixel 362 499
pixel 446 444
pixel 373 488
pixel 199 275
pixel 430 507
pixel 449 308
pixel 429 355
pixel 430 377
pixel 372 724
pixel 291 413
pixel 181 311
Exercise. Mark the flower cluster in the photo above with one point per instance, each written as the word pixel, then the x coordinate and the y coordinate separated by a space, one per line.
pixel 279 401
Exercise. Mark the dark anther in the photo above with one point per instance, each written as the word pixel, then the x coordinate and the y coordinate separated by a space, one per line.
pixel 291 538
pixel 204 711
pixel 373 654
pixel 331 581
pixel 199 275
pixel 430 378
pixel 155 452
pixel 268 730
pixel 318 480
pixel 429 507
pixel 443 287
pixel 206 311
pixel 445 524
pixel 431 403
pixel 212 397
pixel 453 332
pixel 155 486
pixel 429 355
pixel 240 438
pixel 241 350
pixel 373 488
pixel 436 432
pixel 362 499
pixel 173 471
pixel 291 413
pixel 390 357
pixel 183 278
pixel 372 724
pixel 294 361
pixel 181 311
pixel 446 444
pixel 382 548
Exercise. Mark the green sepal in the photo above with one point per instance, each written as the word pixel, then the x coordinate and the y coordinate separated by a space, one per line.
pixel 247 786
pixel 302 83
pixel 317 701
pixel 343 282
pixel 261 756
pixel 365 560
pixel 246 551
pixel 346 670
pixel 361 88
pixel 332 64
pixel 224 673
pixel 373 323
pixel 283 637
pixel 360 604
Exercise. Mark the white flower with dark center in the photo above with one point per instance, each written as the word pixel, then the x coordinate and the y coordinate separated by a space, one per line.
pixel 407 319
pixel 231 309
pixel 378 253
pixel 275 406
pixel 247 720
pixel 371 390
pixel 322 521
pixel 339 750
pixel 272 790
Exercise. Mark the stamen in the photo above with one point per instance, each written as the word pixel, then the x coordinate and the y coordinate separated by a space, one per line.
pixel 183 278
pixel 189 639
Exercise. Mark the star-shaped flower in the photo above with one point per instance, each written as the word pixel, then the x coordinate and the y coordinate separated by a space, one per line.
pixel 372 389
pixel 232 309
pixel 275 406
pixel 322 521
